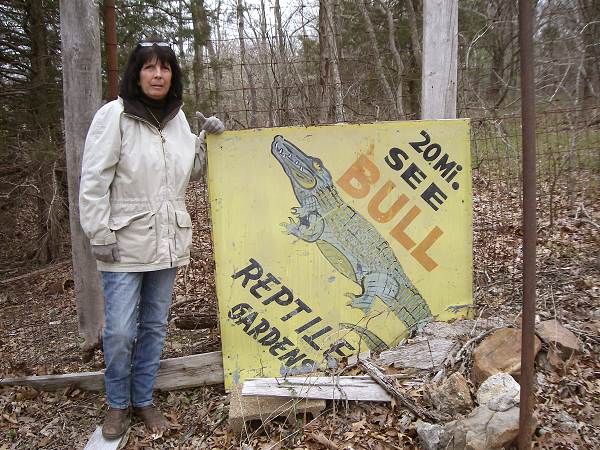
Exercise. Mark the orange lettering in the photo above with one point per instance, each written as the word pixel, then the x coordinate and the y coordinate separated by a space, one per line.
pixel 420 253
pixel 398 231
pixel 375 202
pixel 358 178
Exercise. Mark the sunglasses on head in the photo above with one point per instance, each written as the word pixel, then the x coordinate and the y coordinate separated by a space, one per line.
pixel 150 44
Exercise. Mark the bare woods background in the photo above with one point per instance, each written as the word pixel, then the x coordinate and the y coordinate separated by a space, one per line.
pixel 304 62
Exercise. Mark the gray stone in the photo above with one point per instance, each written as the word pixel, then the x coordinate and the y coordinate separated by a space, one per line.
pixel 566 423
pixel 485 429
pixel 482 429
pixel 553 333
pixel 432 436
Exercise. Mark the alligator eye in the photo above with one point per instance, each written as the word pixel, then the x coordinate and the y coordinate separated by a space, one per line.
pixel 317 164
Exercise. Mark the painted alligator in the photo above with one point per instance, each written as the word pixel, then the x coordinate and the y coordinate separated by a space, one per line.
pixel 349 242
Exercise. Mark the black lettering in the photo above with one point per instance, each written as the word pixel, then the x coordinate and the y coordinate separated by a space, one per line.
pixel 308 324
pixel 260 328
pixel 413 173
pixel 281 345
pixel 443 165
pixel 417 145
pixel 310 340
pixel 432 152
pixel 393 159
pixel 246 272
pixel 248 320
pixel 270 338
pixel 263 284
pixel 239 310
pixel 278 297
pixel 337 347
pixel 434 196
pixel 301 307
pixel 292 357
pixel 453 174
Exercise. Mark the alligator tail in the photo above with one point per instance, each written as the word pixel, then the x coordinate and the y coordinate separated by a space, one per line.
pixel 374 342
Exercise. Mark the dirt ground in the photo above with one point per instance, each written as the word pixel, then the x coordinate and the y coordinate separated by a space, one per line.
pixel 38 335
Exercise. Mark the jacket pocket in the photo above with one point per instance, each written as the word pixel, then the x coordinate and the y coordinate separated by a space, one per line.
pixel 183 234
pixel 136 237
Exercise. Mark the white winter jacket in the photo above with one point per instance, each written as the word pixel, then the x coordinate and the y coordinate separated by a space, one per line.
pixel 132 192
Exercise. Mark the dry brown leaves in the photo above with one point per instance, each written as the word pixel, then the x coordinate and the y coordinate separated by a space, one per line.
pixel 39 336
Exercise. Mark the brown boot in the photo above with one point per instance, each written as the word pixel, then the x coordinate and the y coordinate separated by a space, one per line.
pixel 153 419
pixel 115 423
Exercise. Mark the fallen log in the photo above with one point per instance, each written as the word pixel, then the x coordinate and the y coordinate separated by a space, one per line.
pixel 50 268
pixel 174 373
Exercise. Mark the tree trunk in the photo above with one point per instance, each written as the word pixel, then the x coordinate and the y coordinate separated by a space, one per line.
pixel 589 20
pixel 397 58
pixel 378 64
pixel 335 65
pixel 249 75
pixel 201 29
pixel 45 134
pixel 330 72
pixel 284 92
pixel 324 65
pixel 266 57
pixel 217 76
pixel 415 38
pixel 82 92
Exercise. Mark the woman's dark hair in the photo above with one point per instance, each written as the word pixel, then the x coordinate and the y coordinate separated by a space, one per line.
pixel 129 87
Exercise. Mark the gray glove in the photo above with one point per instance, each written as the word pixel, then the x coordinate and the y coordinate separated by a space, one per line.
pixel 211 125
pixel 106 253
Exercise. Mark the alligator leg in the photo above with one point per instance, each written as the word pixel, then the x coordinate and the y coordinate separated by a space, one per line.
pixel 371 284
pixel 309 228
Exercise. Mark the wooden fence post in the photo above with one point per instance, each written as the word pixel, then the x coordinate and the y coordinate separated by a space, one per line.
pixel 82 92
pixel 439 68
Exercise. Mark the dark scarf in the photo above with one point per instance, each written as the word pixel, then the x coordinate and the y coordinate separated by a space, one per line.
pixel 157 112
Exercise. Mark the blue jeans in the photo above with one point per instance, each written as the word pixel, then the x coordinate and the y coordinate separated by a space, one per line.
pixel 136 307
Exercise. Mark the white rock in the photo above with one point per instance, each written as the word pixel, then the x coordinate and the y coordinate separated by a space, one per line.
pixel 499 392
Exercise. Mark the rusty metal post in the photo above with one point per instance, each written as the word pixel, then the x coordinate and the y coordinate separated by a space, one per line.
pixel 529 221
pixel 110 42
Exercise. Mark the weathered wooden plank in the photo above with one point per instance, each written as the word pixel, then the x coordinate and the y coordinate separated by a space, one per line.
pixel 426 354
pixel 439 69
pixel 97 442
pixel 174 373
pixel 334 388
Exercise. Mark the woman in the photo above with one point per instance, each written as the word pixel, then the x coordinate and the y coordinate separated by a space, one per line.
pixel 139 156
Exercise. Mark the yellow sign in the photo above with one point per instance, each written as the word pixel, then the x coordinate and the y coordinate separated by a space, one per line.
pixel 331 240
